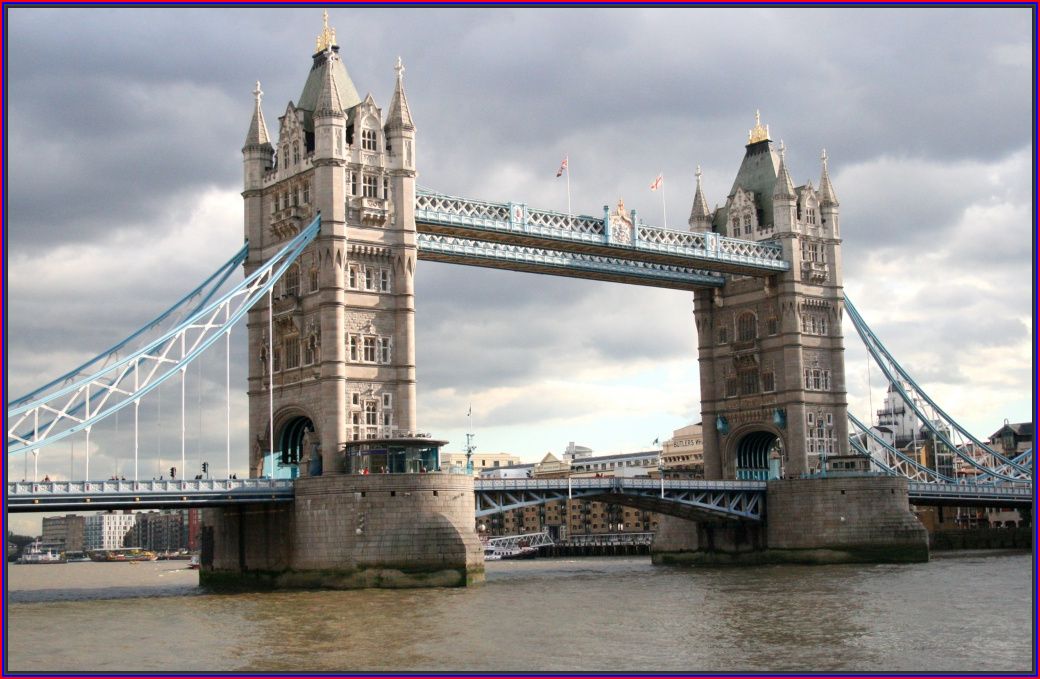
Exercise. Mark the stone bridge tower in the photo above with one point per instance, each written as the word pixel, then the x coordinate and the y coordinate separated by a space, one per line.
pixel 340 362
pixel 771 351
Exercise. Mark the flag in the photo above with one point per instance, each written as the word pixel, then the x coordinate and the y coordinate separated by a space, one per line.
pixel 563 166
pixel 470 411
pixel 657 182
pixel 656 441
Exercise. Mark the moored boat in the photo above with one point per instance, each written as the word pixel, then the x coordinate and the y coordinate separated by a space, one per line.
pixel 35 554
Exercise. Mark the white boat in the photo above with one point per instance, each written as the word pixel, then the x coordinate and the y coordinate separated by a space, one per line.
pixel 34 554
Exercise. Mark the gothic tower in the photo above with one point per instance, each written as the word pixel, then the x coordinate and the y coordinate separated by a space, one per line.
pixel 333 358
pixel 771 350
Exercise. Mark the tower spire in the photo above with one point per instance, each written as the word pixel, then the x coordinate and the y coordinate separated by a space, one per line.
pixel 258 126
pixel 399 116
pixel 784 187
pixel 329 101
pixel 700 215
pixel 827 196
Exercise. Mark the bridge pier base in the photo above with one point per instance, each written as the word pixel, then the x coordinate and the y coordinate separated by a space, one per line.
pixel 848 519
pixel 349 531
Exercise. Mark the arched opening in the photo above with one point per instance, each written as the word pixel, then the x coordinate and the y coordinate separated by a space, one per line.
pixel 759 456
pixel 296 442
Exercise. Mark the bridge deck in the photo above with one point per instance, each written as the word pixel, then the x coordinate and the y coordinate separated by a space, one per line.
pixel 79 496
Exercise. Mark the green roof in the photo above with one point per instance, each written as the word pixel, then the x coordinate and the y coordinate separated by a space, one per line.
pixel 757 174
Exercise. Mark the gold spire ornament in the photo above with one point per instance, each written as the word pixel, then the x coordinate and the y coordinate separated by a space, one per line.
pixel 758 133
pixel 327 37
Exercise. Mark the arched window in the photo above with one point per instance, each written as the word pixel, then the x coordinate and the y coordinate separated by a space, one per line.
pixel 746 327
pixel 296 152
pixel 368 140
pixel 292 281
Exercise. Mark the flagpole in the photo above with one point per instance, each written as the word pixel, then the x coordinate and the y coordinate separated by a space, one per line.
pixel 664 208
pixel 568 185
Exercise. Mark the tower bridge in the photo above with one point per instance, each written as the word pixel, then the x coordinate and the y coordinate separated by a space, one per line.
pixel 335 225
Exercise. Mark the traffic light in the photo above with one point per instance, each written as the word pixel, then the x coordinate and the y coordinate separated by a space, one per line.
pixel 173 472
pixel 205 467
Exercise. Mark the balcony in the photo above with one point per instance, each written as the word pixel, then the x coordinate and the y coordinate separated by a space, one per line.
pixel 374 211
pixel 286 222
pixel 815 272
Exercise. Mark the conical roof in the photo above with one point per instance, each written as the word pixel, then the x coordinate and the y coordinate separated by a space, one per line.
pixel 700 209
pixel 784 187
pixel 327 67
pixel 399 115
pixel 258 134
pixel 827 195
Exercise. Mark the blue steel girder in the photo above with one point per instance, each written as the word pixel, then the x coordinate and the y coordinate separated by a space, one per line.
pixel 1008 494
pixel 470 252
pixel 712 500
pixel 518 224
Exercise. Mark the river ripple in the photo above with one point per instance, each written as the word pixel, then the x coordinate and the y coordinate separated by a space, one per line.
pixel 960 612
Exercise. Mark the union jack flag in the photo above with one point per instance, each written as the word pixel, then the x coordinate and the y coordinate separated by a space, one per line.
pixel 563 166
pixel 656 184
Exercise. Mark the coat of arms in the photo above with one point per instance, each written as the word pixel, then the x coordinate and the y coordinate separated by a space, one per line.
pixel 621 225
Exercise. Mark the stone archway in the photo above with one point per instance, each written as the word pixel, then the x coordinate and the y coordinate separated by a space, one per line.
pixel 758 456
pixel 295 443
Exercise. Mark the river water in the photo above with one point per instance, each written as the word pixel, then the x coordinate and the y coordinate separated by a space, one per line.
pixel 964 612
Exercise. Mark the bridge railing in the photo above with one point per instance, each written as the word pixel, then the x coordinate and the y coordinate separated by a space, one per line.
pixel 112 487
pixel 518 218
pixel 613 482
pixel 970 491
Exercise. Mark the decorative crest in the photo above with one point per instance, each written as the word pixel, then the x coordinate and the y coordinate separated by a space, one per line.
pixel 758 133
pixel 327 37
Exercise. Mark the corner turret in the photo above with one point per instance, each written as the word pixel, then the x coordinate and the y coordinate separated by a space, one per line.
pixel 700 215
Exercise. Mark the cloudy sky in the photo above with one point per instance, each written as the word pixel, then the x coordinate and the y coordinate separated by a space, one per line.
pixel 124 130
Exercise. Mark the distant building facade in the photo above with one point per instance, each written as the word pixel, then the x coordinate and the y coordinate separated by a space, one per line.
pixel 682 456
pixel 107 530
pixel 159 531
pixel 481 461
pixel 63 533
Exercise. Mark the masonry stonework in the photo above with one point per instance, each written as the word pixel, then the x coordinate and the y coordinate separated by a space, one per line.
pixel 349 531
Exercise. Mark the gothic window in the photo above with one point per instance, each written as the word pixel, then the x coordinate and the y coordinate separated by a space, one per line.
pixel 749 382
pixel 384 349
pixel 386 187
pixel 810 215
pixel 314 280
pixel 370 350
pixel 292 281
pixel 384 280
pixel 276 359
pixel 747 224
pixel 310 350
pixel 746 330
pixel 292 352
pixel 735 226
pixel 306 193
pixel 387 400
pixel 369 279
pixel 371 186
pixel 768 381
pixel 368 140
pixel 370 412
pixel 296 152
pixel 731 385
pixel 772 326
pixel 353 348
pixel 353 183
pixel 294 196
pixel 352 277
pixel 386 419
pixel 355 399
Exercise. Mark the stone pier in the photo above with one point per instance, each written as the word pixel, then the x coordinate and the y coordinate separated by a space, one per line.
pixel 349 531
pixel 813 520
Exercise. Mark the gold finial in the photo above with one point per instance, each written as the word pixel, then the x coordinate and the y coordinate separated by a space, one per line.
pixel 327 37
pixel 758 133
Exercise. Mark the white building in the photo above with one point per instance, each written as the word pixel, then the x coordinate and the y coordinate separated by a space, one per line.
pixel 107 530
pixel 625 465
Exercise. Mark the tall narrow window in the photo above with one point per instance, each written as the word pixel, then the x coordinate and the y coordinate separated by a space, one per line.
pixel 292 352
pixel 296 152
pixel 746 327
pixel 352 277
pixel 370 412
pixel 370 186
pixel 384 349
pixel 370 350
pixel 314 280
pixel 292 281
pixel 370 279
pixel 386 187
pixel 353 348
pixel 306 193
pixel 353 183
pixel 384 280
